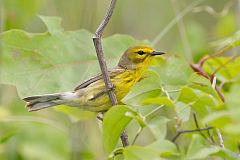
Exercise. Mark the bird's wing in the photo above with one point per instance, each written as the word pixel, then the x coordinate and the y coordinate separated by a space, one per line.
pixel 112 73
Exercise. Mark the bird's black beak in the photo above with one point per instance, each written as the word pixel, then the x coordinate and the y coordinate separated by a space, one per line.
pixel 155 53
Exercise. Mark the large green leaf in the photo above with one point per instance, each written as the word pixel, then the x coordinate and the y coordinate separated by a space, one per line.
pixel 164 147
pixel 147 88
pixel 38 63
pixel 158 150
pixel 183 111
pixel 204 85
pixel 140 153
pixel 230 67
pixel 173 71
pixel 187 95
pixel 160 101
pixel 198 149
pixel 114 122
pixel 158 126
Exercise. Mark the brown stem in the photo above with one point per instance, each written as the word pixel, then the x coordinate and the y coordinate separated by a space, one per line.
pixel 99 50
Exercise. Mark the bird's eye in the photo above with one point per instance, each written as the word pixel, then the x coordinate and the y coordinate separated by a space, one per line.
pixel 140 52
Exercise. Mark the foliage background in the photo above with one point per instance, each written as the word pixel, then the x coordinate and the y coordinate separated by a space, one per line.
pixel 50 134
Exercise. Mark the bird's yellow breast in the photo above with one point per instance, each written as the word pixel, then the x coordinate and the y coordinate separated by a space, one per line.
pixel 95 97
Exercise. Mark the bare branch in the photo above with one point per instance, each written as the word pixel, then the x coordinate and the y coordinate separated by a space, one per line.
pixel 210 139
pixel 197 125
pixel 99 50
pixel 190 131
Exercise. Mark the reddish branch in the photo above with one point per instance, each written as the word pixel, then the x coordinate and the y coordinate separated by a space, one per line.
pixel 198 68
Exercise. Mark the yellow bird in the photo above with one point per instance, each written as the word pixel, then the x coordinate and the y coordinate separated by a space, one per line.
pixel 92 95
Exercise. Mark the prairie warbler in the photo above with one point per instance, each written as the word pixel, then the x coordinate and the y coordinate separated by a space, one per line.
pixel 92 95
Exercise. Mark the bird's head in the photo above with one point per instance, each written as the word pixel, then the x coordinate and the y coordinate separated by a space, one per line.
pixel 138 56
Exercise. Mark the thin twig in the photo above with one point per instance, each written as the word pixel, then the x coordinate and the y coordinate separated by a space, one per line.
pixel 213 12
pixel 174 91
pixel 182 32
pixel 210 136
pixel 190 131
pixel 219 135
pixel 166 92
pixel 106 19
pixel 99 50
pixel 181 14
pixel 197 126
pixel 153 111
pixel 137 135
pixel 98 46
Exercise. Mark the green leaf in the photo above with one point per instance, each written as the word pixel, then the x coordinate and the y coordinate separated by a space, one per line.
pixel 227 120
pixel 164 147
pixel 198 149
pixel 39 63
pixel 173 71
pixel 232 97
pixel 203 105
pixel 218 119
pixel 158 126
pixel 232 129
pixel 75 114
pixel 229 72
pixel 160 101
pixel 114 122
pixel 183 111
pixel 147 88
pixel 202 84
pixel 187 95
pixel 4 138
pixel 140 119
pixel 53 24
pixel 140 153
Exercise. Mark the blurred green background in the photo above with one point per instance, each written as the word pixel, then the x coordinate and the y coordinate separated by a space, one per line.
pixel 185 27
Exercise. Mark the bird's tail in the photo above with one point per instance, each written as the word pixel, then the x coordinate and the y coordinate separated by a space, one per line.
pixel 35 103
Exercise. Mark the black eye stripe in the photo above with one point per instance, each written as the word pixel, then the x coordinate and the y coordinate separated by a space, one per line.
pixel 140 52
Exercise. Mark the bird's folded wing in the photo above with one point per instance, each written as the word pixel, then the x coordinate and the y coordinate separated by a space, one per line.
pixel 112 73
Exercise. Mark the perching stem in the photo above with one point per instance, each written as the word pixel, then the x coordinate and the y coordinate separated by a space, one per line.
pixel 102 63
